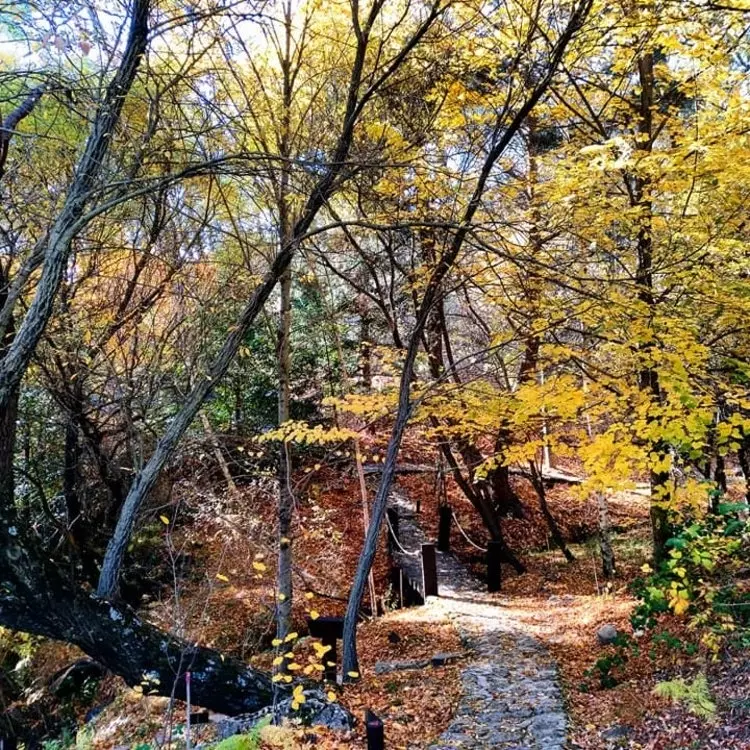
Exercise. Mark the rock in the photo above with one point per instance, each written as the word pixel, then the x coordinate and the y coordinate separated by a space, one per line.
pixel 561 601
pixel 441 659
pixel 607 634
pixel 616 732
pixel 384 667
pixel 324 714
pixel 315 711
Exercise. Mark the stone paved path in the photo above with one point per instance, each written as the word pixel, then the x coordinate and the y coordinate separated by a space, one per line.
pixel 511 696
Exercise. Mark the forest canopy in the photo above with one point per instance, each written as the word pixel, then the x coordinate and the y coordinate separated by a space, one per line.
pixel 255 245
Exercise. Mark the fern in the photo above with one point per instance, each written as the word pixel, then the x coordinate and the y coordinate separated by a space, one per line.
pixel 695 695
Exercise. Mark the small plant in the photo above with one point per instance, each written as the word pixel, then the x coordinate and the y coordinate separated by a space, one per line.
pixel 693 579
pixel 63 742
pixel 607 668
pixel 695 695
pixel 249 741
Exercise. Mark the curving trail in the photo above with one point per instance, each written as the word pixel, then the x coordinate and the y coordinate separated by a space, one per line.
pixel 511 696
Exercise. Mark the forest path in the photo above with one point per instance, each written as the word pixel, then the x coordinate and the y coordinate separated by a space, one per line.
pixel 511 696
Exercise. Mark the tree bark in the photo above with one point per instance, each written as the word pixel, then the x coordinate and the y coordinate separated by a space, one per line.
pixel 286 499
pixel 649 376
pixel 36 598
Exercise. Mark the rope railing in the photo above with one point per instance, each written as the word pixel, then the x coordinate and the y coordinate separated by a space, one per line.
pixel 466 536
pixel 398 544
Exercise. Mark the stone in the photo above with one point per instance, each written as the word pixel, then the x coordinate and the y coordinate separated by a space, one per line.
pixel 441 659
pixel 315 711
pixel 561 601
pixel 607 634
pixel 384 667
pixel 616 732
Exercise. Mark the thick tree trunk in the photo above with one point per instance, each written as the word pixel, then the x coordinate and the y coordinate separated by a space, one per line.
pixel 504 498
pixel 649 376
pixel 8 417
pixel 36 598
pixel 720 473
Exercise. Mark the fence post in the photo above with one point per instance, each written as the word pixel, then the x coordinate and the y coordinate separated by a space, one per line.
pixel 444 528
pixel 375 731
pixel 494 556
pixel 429 571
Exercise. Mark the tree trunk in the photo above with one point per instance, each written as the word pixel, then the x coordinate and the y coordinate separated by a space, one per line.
pixel 36 598
pixel 720 473
pixel 476 493
pixel 504 498
pixel 649 376
pixel 8 417
pixel 284 583
pixel 538 481
pixel 286 499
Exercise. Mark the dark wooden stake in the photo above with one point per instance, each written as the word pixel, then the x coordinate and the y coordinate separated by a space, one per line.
pixel 429 571
pixel 444 528
pixel 494 556
pixel 329 630
pixel 375 732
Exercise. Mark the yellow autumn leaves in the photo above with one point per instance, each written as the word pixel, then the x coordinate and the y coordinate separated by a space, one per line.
pixel 288 665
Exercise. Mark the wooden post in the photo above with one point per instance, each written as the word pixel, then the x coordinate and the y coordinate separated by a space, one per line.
pixel 329 630
pixel 375 732
pixel 494 556
pixel 429 571
pixel 444 528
